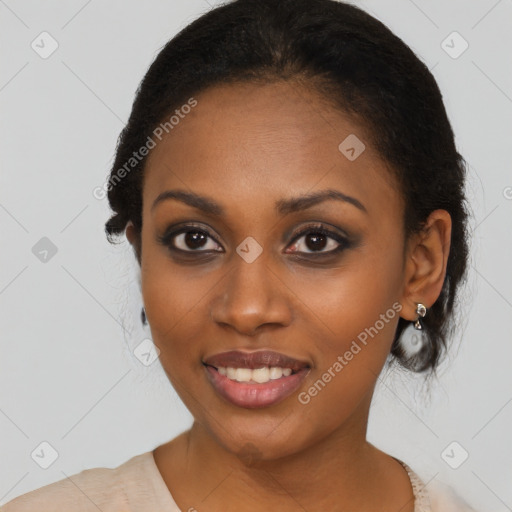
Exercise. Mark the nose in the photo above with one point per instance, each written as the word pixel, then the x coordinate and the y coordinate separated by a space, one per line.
pixel 251 298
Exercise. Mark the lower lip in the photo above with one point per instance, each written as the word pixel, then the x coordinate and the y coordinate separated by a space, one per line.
pixel 254 396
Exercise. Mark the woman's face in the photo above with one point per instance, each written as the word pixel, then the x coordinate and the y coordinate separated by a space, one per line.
pixel 244 278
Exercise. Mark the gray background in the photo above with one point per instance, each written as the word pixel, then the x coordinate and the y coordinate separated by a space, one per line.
pixel 71 323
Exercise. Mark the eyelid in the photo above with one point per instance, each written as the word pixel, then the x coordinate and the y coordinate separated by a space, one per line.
pixel 322 228
pixel 179 229
pixel 343 240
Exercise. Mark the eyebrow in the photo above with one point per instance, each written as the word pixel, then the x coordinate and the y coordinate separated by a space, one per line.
pixel 283 206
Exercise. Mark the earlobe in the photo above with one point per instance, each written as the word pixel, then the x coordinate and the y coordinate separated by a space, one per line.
pixel 426 261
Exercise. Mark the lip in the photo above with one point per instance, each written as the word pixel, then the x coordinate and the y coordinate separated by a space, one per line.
pixel 251 395
pixel 253 360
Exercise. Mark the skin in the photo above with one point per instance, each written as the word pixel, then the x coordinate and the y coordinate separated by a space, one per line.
pixel 247 146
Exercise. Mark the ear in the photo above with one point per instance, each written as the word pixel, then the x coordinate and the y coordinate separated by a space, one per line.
pixel 134 239
pixel 425 265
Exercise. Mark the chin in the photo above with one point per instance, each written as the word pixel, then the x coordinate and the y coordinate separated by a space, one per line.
pixel 259 444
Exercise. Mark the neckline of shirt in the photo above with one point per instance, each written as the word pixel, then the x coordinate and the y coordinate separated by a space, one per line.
pixel 421 497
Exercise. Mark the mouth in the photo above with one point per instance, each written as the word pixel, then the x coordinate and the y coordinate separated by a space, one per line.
pixel 255 379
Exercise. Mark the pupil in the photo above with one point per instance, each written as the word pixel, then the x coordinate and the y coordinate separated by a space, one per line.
pixel 194 239
pixel 318 241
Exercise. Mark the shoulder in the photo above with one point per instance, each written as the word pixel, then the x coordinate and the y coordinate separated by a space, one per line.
pixel 435 496
pixel 444 499
pixel 106 489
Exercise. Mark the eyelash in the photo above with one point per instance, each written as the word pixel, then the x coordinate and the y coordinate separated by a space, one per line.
pixel 317 229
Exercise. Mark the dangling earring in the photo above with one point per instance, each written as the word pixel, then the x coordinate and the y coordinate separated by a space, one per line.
pixel 421 311
pixel 143 318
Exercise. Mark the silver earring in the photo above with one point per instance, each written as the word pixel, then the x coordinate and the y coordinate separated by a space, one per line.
pixel 143 318
pixel 421 311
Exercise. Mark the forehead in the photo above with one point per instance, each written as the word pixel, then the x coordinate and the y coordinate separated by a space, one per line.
pixel 249 144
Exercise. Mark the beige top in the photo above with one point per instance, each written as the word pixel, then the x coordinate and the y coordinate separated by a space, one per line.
pixel 138 486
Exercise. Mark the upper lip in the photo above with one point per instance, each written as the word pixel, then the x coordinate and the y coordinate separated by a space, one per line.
pixel 253 360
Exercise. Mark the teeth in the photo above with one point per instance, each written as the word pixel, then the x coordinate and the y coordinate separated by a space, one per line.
pixel 243 374
pixel 259 375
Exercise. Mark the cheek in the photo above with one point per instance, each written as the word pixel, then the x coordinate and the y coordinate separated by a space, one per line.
pixel 357 311
pixel 352 298
pixel 173 299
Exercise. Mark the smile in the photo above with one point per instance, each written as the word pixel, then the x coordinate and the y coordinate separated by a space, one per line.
pixel 255 379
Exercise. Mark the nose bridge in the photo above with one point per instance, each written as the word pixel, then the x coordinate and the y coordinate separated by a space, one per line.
pixel 250 277
pixel 250 294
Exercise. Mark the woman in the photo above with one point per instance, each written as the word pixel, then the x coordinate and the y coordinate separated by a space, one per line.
pixel 290 185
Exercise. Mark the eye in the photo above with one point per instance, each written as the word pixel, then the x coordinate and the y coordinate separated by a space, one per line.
pixel 317 238
pixel 189 239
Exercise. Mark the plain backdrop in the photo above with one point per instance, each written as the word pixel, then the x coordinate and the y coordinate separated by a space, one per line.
pixel 70 302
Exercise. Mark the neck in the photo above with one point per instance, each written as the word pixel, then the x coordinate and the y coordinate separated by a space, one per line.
pixel 341 472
